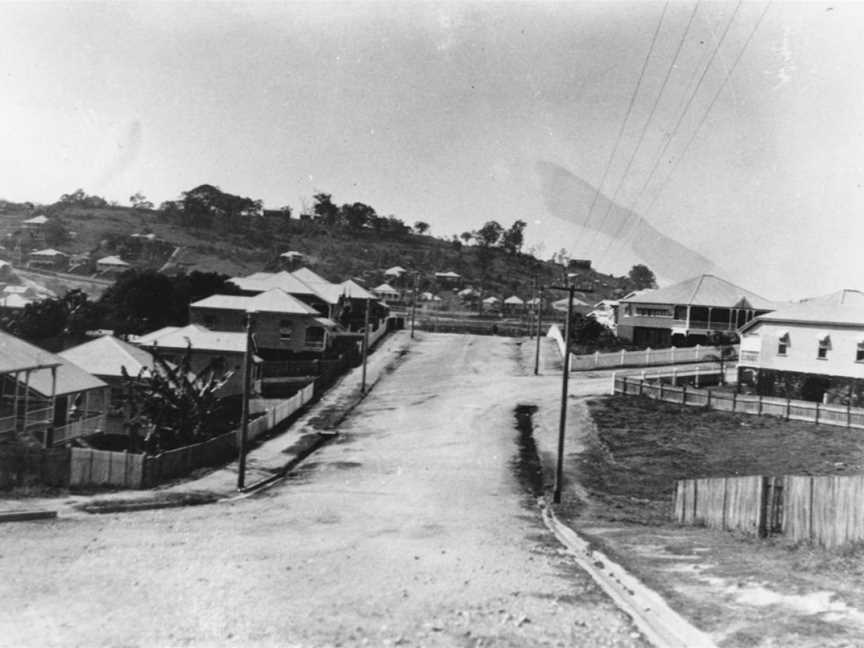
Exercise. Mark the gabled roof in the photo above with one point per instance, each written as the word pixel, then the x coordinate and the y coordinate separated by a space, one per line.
pixel 274 300
pixel 107 356
pixel 384 288
pixel 18 355
pixel 561 304
pixel 36 220
pixel 48 252
pixel 199 337
pixel 14 301
pixel 491 300
pixel 353 290
pixel 112 260
pixel 395 271
pixel 514 300
pixel 704 290
pixel 291 254
pixel 448 275
pixel 70 379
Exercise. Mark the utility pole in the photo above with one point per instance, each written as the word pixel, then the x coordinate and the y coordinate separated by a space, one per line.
pixel 539 305
pixel 414 302
pixel 244 424
pixel 565 378
pixel 365 347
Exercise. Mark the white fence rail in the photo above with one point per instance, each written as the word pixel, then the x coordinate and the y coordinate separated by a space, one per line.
pixel 644 358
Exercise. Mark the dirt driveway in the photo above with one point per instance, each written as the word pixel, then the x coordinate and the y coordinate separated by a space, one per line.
pixel 412 529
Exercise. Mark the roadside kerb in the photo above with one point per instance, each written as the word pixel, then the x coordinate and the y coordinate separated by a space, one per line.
pixel 26 516
pixel 660 624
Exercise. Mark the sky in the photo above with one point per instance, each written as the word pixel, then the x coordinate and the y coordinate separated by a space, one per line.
pixel 444 112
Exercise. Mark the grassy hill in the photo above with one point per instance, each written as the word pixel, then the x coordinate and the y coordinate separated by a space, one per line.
pixel 336 252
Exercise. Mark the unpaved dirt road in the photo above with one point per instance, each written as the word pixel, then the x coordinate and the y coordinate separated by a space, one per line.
pixel 412 529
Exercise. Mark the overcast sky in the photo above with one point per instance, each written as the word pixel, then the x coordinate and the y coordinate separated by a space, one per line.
pixel 441 112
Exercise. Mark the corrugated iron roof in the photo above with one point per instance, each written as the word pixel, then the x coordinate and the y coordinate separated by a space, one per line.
pixel 353 290
pixel 18 355
pixel 71 379
pixel 107 356
pixel 196 336
pixel 814 312
pixel 704 290
pixel 274 300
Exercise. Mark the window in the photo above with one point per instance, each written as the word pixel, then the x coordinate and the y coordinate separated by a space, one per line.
pixel 210 322
pixel 859 354
pixel 824 347
pixel 315 336
pixel 285 330
pixel 782 344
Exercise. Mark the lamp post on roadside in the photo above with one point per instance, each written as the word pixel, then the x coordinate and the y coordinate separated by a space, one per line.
pixel 565 378
pixel 244 421
pixel 539 305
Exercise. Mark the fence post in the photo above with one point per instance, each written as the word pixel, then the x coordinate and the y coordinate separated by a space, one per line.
pixel 660 380
pixel 759 408
pixel 788 407
pixel 672 354
pixel 734 401
pixel 817 412
pixel 849 413
pixel 614 384
pixel 684 396
pixel 623 358
pixel 596 359
pixel 708 400
pixel 674 376
pixel 641 384
pixel 698 373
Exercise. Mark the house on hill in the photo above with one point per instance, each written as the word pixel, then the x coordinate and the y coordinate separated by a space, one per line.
pixel 811 350
pixel 49 259
pixel 221 351
pixel 35 224
pixel 687 313
pixel 290 259
pixel 448 279
pixel 395 272
pixel 112 263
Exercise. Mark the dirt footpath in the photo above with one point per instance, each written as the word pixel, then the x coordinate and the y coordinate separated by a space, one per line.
pixel 412 529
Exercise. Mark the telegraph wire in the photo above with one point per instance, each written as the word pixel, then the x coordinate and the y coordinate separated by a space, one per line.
pixel 641 139
pixel 675 128
pixel 626 116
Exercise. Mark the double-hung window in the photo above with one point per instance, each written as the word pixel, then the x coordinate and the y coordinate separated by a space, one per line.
pixel 783 344
pixel 824 347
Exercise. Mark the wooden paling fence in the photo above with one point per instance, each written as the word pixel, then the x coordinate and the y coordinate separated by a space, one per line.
pixel 127 470
pixel 795 410
pixel 825 510
pixel 24 466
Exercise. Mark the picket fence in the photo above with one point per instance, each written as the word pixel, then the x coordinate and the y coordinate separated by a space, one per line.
pixel 127 470
pixel 826 510
pixel 795 410
pixel 643 358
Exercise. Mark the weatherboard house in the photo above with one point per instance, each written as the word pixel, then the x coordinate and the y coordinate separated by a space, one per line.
pixel 810 350
pixel 687 313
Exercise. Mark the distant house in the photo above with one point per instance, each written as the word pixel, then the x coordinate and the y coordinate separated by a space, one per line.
pixel 291 259
pixel 387 293
pixel 448 279
pixel 395 272
pixel 812 350
pixel 492 303
pixel 217 350
pixel 283 324
pixel 514 305
pixel 579 306
pixel 687 313
pixel 112 264
pixel 10 303
pixel 353 314
pixel 147 238
pixel 36 223
pixel 604 312
pixel 49 259
pixel 469 295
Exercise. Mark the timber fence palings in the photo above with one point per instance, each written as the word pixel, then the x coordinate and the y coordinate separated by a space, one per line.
pixel 825 510
pixel 807 411
pixel 89 467
pixel 23 466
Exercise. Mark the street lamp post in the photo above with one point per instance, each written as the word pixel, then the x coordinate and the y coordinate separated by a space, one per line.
pixel 244 422
pixel 539 306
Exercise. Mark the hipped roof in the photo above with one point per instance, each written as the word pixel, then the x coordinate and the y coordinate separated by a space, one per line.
pixel 704 290
pixel 196 336
pixel 815 313
pixel 18 355
pixel 71 379
pixel 108 356
pixel 270 301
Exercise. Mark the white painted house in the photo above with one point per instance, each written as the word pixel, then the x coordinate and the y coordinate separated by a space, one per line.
pixel 808 349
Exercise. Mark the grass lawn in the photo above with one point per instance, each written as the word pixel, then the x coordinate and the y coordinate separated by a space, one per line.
pixel 641 446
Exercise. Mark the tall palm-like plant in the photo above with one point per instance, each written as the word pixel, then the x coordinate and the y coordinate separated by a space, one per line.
pixel 726 351
pixel 182 404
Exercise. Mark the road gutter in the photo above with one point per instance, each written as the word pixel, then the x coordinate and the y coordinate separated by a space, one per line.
pixel 660 624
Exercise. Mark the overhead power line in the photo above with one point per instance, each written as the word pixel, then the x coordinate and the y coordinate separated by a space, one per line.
pixel 706 112
pixel 658 159
pixel 639 142
pixel 626 116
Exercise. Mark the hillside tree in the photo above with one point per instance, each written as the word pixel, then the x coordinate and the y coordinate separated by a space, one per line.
pixel 642 277
pixel 421 227
pixel 513 238
pixel 489 235
pixel 139 201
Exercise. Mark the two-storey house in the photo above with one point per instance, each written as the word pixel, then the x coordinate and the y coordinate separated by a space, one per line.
pixel 687 313
pixel 812 350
